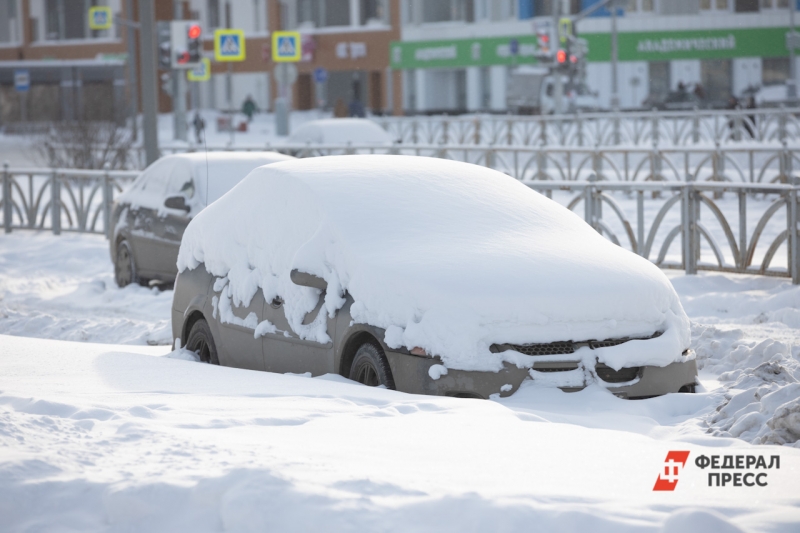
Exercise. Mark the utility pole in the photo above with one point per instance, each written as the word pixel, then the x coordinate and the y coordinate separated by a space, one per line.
pixel 791 83
pixel 149 87
pixel 558 85
pixel 614 54
pixel 132 62
pixel 178 87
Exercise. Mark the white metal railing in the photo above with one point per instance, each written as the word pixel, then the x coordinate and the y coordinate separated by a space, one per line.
pixel 649 217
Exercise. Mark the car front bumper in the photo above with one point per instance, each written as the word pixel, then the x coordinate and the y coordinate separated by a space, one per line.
pixel 411 374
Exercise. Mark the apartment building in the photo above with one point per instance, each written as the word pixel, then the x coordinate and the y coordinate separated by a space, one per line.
pixel 455 54
pixel 76 71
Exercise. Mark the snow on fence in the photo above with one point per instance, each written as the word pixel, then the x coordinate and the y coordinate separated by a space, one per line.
pixel 713 224
pixel 678 128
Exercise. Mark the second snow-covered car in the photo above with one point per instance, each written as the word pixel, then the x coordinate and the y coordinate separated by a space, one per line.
pixel 426 276
pixel 150 217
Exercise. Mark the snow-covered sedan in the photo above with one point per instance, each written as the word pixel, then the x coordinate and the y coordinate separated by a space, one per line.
pixel 149 218
pixel 426 276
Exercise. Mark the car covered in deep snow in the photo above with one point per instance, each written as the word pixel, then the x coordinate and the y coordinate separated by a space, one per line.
pixel 149 218
pixel 426 276
pixel 341 131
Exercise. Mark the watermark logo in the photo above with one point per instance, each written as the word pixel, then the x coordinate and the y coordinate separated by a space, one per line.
pixel 673 464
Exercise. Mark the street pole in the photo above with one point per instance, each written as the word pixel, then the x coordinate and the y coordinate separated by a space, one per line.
pixel 791 83
pixel 179 87
pixel 614 53
pixel 558 85
pixel 147 52
pixel 132 62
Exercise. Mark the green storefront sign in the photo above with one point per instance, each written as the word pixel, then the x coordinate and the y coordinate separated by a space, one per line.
pixel 633 46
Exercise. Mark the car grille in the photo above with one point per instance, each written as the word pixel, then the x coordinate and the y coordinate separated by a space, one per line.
pixel 565 347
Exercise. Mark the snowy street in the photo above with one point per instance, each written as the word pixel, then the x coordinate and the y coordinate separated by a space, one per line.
pixel 109 434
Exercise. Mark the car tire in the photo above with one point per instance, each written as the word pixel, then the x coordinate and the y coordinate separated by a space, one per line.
pixel 124 265
pixel 201 342
pixel 371 368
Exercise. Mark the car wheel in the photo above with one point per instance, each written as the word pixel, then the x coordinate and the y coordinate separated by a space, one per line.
pixel 371 368
pixel 124 265
pixel 201 342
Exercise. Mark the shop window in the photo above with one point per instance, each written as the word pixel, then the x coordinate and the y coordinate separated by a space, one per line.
pixel 711 6
pixel 774 4
pixel 659 80
pixel 716 80
pixel 746 6
pixel 774 70
pixel 634 7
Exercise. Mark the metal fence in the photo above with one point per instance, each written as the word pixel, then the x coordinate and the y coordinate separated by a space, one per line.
pixel 678 128
pixel 659 220
pixel 746 164
pixel 61 199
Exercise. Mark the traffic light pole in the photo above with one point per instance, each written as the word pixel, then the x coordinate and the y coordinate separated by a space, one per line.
pixel 614 53
pixel 558 85
pixel 149 87
pixel 179 88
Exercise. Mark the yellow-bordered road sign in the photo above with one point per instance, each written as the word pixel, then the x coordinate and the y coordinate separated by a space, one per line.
pixel 229 45
pixel 286 46
pixel 201 72
pixel 100 18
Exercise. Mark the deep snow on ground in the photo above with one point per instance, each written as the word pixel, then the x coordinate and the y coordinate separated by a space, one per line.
pixel 113 437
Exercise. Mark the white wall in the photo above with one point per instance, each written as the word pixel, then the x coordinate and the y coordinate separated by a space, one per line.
pixel 497 87
pixel 630 96
pixel 474 87
pixel 598 78
pixel 685 70
pixel 746 73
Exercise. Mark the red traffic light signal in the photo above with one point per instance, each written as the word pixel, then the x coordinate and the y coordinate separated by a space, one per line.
pixel 561 56
pixel 194 31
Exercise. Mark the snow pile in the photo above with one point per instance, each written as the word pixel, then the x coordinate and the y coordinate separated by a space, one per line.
pixel 63 288
pixel 357 131
pixel 744 332
pixel 445 256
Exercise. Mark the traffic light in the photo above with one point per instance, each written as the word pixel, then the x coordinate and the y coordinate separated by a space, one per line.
pixel 561 56
pixel 194 46
pixel 187 50
pixel 164 45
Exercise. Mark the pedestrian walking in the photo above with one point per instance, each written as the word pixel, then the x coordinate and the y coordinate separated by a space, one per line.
pixel 249 108
pixel 199 126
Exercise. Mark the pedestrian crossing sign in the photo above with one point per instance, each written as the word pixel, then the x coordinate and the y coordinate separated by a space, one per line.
pixel 100 18
pixel 229 45
pixel 286 46
pixel 201 72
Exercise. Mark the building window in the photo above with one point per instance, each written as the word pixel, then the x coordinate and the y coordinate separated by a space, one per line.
pixel 714 5
pixel 213 15
pixel 774 4
pixel 746 6
pixel 9 22
pixel 640 6
pixel 374 12
pixel 774 70
pixel 67 19
pixel 323 13
pixel 447 11
pixel 659 80
pixel 717 79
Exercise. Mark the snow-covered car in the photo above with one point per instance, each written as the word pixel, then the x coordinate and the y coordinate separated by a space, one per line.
pixel 355 131
pixel 423 275
pixel 149 218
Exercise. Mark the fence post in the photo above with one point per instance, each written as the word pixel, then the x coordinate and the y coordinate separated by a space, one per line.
pixel 588 202
pixel 55 203
pixel 445 131
pixel 782 124
pixel 688 229
pixel 477 130
pixel 7 204
pixel 488 158
pixel 108 198
pixel 579 124
pixel 696 126
pixel 654 127
pixel 617 136
pixel 794 252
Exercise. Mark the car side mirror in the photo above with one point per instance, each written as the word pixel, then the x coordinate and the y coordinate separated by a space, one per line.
pixel 177 202
pixel 304 279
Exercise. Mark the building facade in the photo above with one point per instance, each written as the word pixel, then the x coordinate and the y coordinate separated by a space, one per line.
pixel 455 54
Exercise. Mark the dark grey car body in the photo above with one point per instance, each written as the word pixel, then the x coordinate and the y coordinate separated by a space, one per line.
pixel 151 216
pixel 279 352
